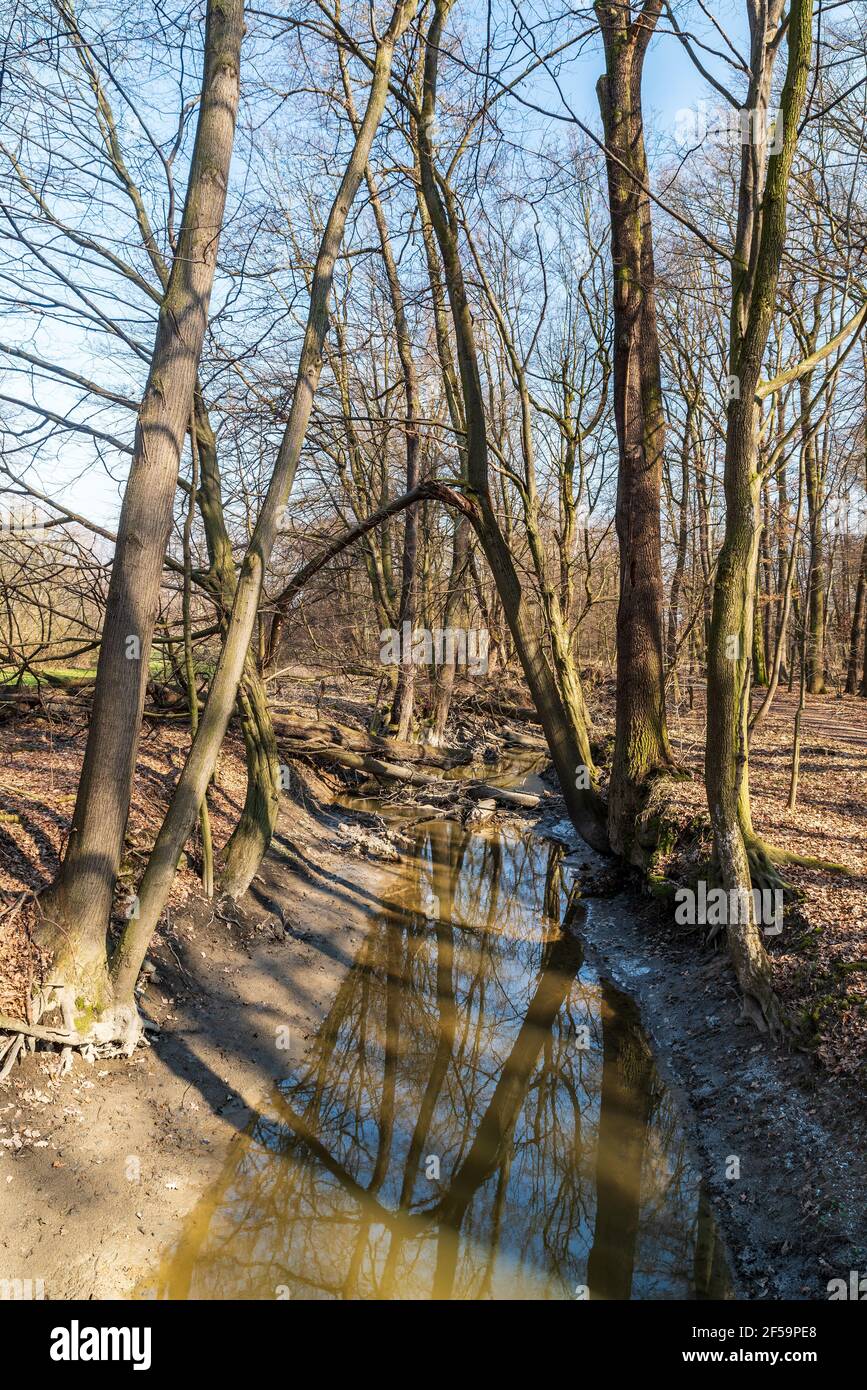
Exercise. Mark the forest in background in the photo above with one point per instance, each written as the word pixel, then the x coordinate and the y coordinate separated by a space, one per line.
pixel 377 331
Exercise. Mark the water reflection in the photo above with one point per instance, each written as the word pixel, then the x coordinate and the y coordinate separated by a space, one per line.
pixel 480 1118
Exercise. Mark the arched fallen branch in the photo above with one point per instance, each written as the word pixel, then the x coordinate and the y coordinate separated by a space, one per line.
pixel 282 603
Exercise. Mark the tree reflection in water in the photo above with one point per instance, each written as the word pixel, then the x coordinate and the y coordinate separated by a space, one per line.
pixel 480 1118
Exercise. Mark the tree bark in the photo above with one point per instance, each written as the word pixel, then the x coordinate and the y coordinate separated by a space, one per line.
pixel 249 841
pixel 682 542
pixel 183 809
pixel 569 746
pixel 759 246
pixel 815 514
pixel 402 705
pixel 641 747
pixel 79 904
pixel 857 633
pixel 856 636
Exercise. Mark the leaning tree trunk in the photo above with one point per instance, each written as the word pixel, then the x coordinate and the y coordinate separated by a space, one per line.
pixel 254 828
pixel 815 515
pixel 755 271
pixel 198 770
pixel 641 747
pixel 556 627
pixel 79 905
pixel 570 748
pixel 249 841
pixel 568 743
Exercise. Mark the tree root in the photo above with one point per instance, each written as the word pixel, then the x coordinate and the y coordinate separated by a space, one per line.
pixel 116 1033
pixel 31 1030
pixel 765 1011
pixel 11 1050
pixel 765 861
pixel 653 830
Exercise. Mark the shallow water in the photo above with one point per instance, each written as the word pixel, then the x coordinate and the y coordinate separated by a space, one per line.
pixel 480 1117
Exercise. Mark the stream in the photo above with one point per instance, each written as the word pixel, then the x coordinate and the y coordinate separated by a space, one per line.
pixel 480 1116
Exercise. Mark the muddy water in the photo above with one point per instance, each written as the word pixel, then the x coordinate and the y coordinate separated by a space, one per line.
pixel 480 1117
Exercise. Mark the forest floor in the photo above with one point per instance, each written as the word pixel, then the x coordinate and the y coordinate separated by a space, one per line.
pixel 99 1169
pixel 820 958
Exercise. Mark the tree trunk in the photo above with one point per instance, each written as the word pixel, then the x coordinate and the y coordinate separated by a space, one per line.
pixel 249 841
pixel 682 543
pixel 569 746
pixel 79 905
pixel 444 680
pixel 445 676
pixel 755 270
pixel 857 634
pixel 815 514
pixel 641 747
pixel 786 584
pixel 402 705
pixel 197 772
pixel 760 656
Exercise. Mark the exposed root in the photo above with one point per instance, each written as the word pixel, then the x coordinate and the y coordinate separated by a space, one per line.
pixel 32 1030
pixel 759 1003
pixel 15 1047
pixel 765 861
pixel 116 1033
pixel 652 831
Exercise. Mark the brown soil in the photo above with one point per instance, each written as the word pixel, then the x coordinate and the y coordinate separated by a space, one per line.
pixel 99 1169
pixel 820 960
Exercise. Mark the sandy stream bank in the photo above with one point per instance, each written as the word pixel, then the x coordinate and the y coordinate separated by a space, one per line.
pixel 99 1169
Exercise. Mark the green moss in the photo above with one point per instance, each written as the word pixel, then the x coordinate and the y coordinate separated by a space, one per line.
pixel 660 887
pixel 86 1014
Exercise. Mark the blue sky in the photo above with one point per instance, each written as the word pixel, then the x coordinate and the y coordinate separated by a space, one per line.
pixel 671 84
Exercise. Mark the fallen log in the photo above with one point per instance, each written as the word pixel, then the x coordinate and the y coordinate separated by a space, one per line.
pixel 501 709
pixel 450 789
pixel 295 729
pixel 531 741
pixel 32 695
pixel 483 790
pixel 360 762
